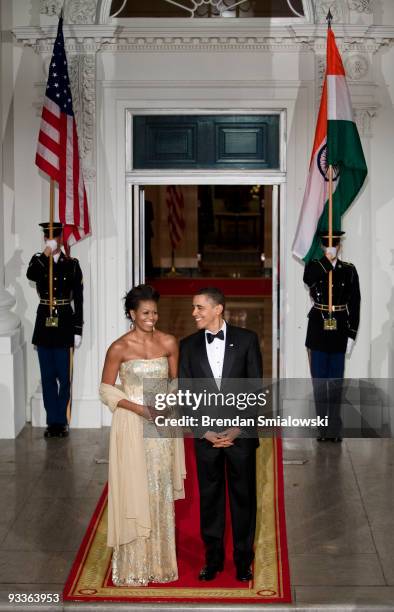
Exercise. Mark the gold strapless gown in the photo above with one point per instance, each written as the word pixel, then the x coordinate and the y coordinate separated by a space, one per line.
pixel 150 559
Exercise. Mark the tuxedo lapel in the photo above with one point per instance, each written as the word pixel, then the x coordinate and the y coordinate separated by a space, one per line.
pixel 229 352
pixel 202 350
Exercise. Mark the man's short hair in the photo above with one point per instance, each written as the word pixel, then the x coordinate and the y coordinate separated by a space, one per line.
pixel 214 294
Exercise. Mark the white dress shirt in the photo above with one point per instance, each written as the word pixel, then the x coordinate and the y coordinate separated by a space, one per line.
pixel 215 352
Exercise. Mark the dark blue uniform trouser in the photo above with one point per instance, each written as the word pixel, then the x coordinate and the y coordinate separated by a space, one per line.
pixel 327 371
pixel 56 384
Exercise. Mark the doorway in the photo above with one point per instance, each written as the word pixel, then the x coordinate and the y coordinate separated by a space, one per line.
pixel 185 237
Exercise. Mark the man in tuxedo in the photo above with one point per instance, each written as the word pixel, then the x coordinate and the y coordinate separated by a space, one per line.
pixel 219 352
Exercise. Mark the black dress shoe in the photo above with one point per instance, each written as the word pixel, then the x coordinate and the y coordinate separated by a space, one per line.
pixel 321 439
pixel 50 432
pixel 209 572
pixel 336 439
pixel 244 574
pixel 63 431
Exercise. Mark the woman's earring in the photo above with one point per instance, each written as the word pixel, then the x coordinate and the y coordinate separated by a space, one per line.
pixel 132 324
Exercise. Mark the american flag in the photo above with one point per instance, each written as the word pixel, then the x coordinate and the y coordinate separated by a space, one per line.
pixel 57 149
pixel 176 220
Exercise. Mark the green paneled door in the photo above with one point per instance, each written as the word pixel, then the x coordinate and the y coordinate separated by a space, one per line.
pixel 206 141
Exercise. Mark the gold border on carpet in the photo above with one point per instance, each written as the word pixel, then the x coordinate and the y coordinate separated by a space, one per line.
pixel 94 567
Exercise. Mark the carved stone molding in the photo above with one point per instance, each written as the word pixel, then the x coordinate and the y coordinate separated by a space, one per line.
pixel 357 67
pixel 320 70
pixel 51 7
pixel 89 174
pixel 82 72
pixel 75 11
pixel 363 117
pixel 361 6
pixel 90 38
pixel 211 45
pixel 80 12
pixel 338 8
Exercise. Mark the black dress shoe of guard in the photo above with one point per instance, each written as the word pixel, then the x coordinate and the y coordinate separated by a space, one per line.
pixel 209 572
pixel 63 431
pixel 244 574
pixel 50 432
pixel 321 439
pixel 336 439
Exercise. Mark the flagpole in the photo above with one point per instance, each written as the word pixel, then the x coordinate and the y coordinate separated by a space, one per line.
pixel 330 237
pixel 331 323
pixel 51 216
pixel 173 271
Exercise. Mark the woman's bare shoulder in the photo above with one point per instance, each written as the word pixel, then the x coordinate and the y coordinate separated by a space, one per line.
pixel 119 345
pixel 167 340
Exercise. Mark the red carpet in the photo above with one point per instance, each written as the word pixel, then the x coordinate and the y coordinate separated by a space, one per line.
pixel 90 577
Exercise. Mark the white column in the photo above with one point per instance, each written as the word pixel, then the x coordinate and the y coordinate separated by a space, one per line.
pixel 12 374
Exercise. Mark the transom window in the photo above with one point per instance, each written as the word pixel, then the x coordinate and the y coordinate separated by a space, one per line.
pixel 208 8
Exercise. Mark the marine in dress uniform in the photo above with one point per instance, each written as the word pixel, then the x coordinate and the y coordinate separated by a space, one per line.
pixel 328 347
pixel 55 344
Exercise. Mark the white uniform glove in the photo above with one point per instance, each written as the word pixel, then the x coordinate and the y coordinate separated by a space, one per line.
pixel 331 251
pixel 349 346
pixel 77 341
pixel 52 244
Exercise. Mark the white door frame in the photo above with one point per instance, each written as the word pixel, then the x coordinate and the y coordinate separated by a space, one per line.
pixel 136 180
pixel 136 242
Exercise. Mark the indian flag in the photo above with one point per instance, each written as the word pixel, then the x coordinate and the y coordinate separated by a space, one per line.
pixel 337 142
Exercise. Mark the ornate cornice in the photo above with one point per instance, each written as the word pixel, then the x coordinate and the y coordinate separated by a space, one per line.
pixel 91 38
pixel 361 6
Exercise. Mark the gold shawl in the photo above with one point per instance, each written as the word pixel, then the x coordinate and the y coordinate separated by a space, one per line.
pixel 128 499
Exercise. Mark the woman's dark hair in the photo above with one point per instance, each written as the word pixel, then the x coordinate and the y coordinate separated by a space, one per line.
pixel 141 293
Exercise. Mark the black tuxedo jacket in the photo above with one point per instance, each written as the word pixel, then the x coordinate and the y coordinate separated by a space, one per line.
pixel 242 361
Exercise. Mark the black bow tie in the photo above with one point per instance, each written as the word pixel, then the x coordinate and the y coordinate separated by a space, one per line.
pixel 211 337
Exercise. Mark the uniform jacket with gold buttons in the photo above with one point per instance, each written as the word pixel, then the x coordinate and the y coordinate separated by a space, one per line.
pixel 346 293
pixel 67 285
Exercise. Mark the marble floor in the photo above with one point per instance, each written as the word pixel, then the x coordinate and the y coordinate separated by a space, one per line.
pixel 339 508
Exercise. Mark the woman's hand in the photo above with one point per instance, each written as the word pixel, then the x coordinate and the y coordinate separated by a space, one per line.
pixel 147 413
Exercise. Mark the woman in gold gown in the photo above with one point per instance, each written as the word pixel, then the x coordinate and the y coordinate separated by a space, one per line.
pixel 146 471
